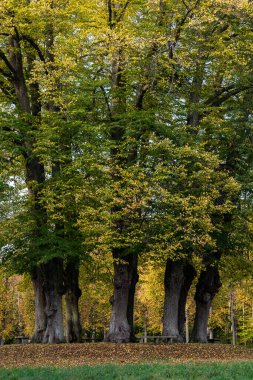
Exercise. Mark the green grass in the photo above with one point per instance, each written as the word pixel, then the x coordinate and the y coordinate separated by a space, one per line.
pixel 231 371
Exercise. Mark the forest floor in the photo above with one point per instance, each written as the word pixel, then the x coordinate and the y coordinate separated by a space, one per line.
pixel 71 355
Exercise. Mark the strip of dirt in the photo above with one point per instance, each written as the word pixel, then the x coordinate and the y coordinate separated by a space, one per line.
pixel 68 355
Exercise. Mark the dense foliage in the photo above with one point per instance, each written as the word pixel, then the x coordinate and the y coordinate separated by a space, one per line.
pixel 126 136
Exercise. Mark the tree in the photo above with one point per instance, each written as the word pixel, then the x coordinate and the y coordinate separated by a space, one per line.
pixel 128 127
pixel 28 68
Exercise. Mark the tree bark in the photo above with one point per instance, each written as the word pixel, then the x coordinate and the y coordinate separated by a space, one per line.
pixel 53 288
pixel 72 295
pixel 134 277
pixel 189 275
pixel 173 281
pixel 122 300
pixel 40 304
pixel 207 287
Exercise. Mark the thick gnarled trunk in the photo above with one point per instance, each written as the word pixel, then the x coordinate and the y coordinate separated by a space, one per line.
pixel 189 275
pixel 173 281
pixel 134 277
pixel 125 278
pixel 53 289
pixel 208 286
pixel 119 326
pixel 40 303
pixel 72 295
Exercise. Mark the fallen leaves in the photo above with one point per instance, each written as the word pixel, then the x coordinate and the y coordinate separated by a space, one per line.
pixel 68 355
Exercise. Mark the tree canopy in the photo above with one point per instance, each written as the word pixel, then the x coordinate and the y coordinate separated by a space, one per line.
pixel 126 129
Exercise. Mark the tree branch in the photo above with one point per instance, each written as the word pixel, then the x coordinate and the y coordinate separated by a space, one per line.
pixel 123 11
pixel 140 96
pixel 7 91
pixel 186 5
pixel 107 102
pixel 7 62
pixel 182 22
pixel 31 41
pixel 224 94
pixel 7 75
pixel 110 13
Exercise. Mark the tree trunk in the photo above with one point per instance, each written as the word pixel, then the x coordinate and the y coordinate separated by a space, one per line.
pixel 134 277
pixel 73 293
pixel 187 333
pixel 40 304
pixel 189 275
pixel 120 329
pixel 53 288
pixel 233 319
pixel 207 287
pixel 173 281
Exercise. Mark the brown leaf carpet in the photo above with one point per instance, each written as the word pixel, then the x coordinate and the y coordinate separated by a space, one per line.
pixel 67 355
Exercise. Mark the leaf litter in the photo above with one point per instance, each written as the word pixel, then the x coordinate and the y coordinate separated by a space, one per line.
pixel 70 355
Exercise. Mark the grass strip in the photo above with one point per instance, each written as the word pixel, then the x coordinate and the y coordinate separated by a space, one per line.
pixel 214 371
